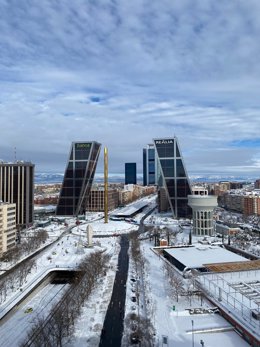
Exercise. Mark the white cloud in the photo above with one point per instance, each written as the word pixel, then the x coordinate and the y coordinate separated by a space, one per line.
pixel 124 72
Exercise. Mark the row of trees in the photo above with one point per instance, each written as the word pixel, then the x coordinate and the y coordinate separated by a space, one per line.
pixel 178 286
pixel 58 326
pixel 16 278
pixel 175 280
pixel 28 245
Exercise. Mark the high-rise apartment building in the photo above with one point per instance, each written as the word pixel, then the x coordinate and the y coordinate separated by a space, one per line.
pixel 130 173
pixel 251 205
pixel 17 187
pixel 7 227
pixel 149 165
pixel 78 178
pixel 172 175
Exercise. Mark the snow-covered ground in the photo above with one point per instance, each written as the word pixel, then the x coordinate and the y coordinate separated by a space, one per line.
pixel 89 325
pixel 105 229
pixel 63 254
pixel 14 331
pixel 177 325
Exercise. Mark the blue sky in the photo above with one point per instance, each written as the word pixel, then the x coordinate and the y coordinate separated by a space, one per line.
pixel 124 72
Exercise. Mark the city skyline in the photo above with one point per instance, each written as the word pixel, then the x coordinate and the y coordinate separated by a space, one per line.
pixel 123 73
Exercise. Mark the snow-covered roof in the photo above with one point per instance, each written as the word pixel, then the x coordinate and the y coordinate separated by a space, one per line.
pixel 131 210
pixel 195 257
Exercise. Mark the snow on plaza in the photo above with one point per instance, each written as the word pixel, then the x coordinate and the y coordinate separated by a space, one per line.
pixel 173 320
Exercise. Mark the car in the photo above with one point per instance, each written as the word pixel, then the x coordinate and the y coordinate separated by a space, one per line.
pixel 28 310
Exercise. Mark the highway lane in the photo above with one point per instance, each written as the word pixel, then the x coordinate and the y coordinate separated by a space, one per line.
pixel 14 330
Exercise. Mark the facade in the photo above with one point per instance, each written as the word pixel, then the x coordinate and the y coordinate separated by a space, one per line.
pixel 251 205
pixel 149 165
pixel 163 202
pixel 257 184
pixel 130 173
pixel 172 176
pixel 197 190
pixel 97 199
pixel 233 202
pixel 78 178
pixel 132 192
pixel 17 187
pixel 7 227
pixel 226 229
pixel 202 213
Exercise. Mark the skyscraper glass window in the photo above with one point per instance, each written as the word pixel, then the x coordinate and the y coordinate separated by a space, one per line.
pixel 130 173
pixel 173 176
pixel 149 165
pixel 78 178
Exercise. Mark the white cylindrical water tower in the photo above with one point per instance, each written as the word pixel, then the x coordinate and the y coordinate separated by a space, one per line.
pixel 202 213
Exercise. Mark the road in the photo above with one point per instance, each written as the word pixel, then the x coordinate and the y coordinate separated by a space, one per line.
pixel 14 330
pixel 114 321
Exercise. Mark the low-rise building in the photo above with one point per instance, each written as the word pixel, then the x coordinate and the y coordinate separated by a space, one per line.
pixel 225 229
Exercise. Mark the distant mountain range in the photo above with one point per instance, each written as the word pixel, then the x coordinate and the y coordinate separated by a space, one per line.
pixel 54 177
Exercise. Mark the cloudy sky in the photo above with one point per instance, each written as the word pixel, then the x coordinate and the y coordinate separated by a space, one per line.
pixel 124 72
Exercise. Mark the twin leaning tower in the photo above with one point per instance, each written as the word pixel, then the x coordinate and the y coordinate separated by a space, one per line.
pixel 171 175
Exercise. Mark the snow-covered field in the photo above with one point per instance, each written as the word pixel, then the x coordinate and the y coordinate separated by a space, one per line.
pixel 178 325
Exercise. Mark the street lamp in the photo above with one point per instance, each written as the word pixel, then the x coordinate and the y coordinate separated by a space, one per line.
pixel 192 332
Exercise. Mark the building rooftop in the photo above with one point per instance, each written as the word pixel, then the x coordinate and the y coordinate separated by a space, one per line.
pixel 199 255
pixel 131 210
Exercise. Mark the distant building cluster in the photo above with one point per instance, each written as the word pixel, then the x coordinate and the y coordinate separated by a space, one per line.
pixel 246 201
pixel 164 172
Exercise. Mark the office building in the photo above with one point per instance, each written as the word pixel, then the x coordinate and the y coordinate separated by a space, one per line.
pixel 130 173
pixel 149 165
pixel 172 176
pixel 7 227
pixel 202 213
pixel 97 199
pixel 17 187
pixel 78 178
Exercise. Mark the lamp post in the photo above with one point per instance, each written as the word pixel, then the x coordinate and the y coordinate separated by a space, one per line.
pixel 192 332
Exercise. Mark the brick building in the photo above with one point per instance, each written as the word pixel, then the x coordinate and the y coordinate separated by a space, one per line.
pixel 96 200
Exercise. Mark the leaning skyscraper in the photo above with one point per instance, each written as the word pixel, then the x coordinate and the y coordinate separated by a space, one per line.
pixel 172 176
pixel 78 178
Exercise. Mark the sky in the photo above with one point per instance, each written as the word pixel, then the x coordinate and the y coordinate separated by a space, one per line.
pixel 124 72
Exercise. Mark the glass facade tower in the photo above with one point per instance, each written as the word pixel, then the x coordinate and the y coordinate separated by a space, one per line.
pixel 172 176
pixel 130 173
pixel 78 178
pixel 149 166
